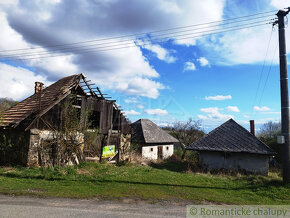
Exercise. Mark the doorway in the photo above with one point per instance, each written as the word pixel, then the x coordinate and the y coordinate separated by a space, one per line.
pixel 160 154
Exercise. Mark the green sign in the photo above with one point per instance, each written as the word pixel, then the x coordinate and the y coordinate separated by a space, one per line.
pixel 108 151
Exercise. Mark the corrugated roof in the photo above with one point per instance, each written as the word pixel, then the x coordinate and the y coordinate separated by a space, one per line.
pixel 31 105
pixel 231 137
pixel 146 131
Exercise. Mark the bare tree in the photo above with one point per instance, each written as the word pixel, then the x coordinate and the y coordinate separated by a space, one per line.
pixel 268 134
pixel 270 129
pixel 186 132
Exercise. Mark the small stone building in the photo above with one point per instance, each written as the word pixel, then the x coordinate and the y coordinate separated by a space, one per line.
pixel 232 147
pixel 32 130
pixel 152 141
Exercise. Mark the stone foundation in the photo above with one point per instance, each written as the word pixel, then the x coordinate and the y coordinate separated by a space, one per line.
pixel 43 148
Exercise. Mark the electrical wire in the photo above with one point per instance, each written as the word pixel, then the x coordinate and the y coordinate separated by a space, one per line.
pixel 274 54
pixel 113 47
pixel 151 38
pixel 262 70
pixel 154 40
pixel 146 33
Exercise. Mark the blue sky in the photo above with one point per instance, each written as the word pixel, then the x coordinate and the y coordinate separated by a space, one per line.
pixel 211 78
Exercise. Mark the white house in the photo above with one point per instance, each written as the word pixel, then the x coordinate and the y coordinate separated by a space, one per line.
pixel 154 143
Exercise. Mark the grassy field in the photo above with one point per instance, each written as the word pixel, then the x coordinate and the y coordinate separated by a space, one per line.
pixel 153 183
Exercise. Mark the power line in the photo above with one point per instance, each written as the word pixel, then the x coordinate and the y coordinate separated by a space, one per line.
pixel 261 73
pixel 80 51
pixel 113 47
pixel 274 54
pixel 151 38
pixel 120 43
pixel 139 34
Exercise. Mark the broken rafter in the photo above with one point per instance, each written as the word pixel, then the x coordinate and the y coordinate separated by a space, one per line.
pixel 91 91
pixel 100 92
pixel 87 81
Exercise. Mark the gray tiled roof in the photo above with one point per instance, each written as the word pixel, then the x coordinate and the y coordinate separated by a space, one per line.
pixel 231 137
pixel 146 131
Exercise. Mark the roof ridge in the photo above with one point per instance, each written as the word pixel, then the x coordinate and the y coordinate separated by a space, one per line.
pixel 231 137
pixel 19 112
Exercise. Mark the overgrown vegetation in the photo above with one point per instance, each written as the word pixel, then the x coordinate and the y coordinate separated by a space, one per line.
pixel 105 181
pixel 68 139
pixel 268 134
pixel 93 141
pixel 186 132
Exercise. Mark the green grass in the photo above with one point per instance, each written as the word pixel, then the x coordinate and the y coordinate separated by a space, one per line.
pixel 142 182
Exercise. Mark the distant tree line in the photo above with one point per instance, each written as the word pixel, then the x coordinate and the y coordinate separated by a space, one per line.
pixel 6 103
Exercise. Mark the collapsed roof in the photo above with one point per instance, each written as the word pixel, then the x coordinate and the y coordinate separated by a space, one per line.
pixel 38 104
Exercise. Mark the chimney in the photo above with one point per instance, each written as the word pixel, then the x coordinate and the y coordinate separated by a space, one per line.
pixel 38 87
pixel 252 126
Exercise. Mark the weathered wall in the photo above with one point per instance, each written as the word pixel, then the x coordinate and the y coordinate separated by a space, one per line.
pixel 167 151
pixel 14 145
pixel 252 163
pixel 150 152
pixel 43 148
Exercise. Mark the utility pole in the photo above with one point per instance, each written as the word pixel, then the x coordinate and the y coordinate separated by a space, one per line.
pixel 284 96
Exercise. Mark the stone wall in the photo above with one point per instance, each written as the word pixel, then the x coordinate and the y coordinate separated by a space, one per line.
pixel 252 163
pixel 125 146
pixel 44 147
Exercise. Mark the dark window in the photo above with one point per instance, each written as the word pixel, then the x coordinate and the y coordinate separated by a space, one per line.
pixel 167 148
pixel 94 120
pixel 151 149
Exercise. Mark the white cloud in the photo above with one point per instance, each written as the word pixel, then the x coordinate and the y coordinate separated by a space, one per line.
pixel 213 114
pixel 260 121
pixel 189 66
pixel 209 110
pixel 9 38
pixel 139 86
pixel 233 108
pixel 186 42
pixel 56 65
pixel 244 46
pixel 132 112
pixel 218 97
pixel 202 117
pixel 17 82
pixel 44 23
pixel 140 106
pixel 203 61
pixel 160 52
pixel 264 108
pixel 157 111
pixel 131 100
pixel 280 4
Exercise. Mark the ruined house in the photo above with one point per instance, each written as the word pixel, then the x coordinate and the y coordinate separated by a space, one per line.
pixel 30 130
pixel 232 147
pixel 152 141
